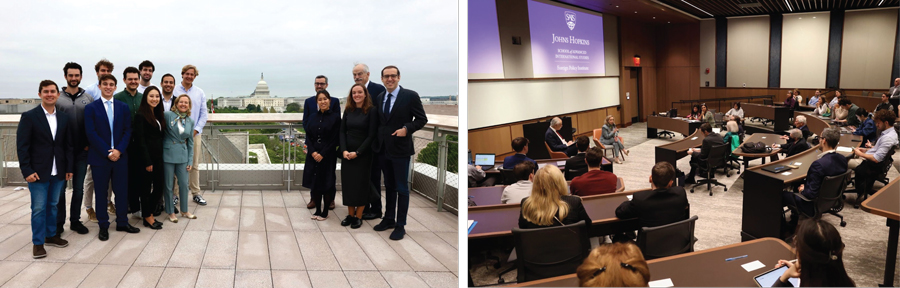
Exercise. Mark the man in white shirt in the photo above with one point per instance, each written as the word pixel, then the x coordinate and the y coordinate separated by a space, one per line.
pixel 198 114
pixel 103 67
pixel 514 193
pixel 146 69
pixel 168 91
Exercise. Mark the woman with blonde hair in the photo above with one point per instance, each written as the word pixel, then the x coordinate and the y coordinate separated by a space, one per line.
pixel 614 265
pixel 549 203
pixel 611 136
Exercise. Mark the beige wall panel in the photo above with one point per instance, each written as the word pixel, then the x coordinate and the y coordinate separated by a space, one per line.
pixel 748 52
pixel 708 52
pixel 611 44
pixel 867 53
pixel 495 140
pixel 804 50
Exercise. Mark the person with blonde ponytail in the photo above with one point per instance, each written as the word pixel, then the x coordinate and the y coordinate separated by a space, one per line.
pixel 549 203
pixel 614 265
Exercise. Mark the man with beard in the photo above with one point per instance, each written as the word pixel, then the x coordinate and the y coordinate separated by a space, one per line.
pixel 309 107
pixel 361 77
pixel 147 70
pixel 132 98
pixel 71 102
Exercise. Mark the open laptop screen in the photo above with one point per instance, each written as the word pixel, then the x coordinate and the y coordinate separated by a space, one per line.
pixel 484 159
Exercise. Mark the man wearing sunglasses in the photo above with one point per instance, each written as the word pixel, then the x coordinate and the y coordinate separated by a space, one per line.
pixel 309 107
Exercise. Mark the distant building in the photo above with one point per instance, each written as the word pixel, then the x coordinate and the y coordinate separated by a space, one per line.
pixel 18 106
pixel 260 97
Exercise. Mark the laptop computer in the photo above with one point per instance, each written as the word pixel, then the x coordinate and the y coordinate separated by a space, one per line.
pixel 776 168
pixel 486 161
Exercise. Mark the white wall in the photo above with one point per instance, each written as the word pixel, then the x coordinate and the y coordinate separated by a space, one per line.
pixel 804 50
pixel 748 52
pixel 868 48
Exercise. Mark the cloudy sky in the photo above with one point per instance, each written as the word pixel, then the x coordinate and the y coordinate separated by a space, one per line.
pixel 231 42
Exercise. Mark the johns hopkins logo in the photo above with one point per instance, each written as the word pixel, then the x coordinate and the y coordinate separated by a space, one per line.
pixel 570 19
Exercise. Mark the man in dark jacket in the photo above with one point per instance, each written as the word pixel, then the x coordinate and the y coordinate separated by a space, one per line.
pixel 700 156
pixel 665 204
pixel 72 100
pixel 828 164
pixel 795 143
pixel 555 140
pixel 576 166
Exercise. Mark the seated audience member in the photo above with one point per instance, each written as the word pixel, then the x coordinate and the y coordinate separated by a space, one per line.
pixel 820 257
pixel 829 163
pixel 795 143
pixel 555 140
pixel 800 123
pixel 867 127
pixel 707 116
pixel 477 177
pixel 834 100
pixel 894 91
pixel 735 110
pixel 790 101
pixel 614 265
pixel 798 97
pixel 595 181
pixel 867 167
pixel 548 204
pixel 848 109
pixel 575 165
pixel 695 113
pixel 520 145
pixel 514 193
pixel 822 109
pixel 814 100
pixel 665 204
pixel 732 137
pixel 885 103
pixel 699 156
pixel 740 123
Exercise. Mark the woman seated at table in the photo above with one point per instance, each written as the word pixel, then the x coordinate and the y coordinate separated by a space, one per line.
pixel 549 205
pixel 614 265
pixel 820 261
pixel 736 110
pixel 695 113
pixel 732 137
pixel 822 109
pixel 707 116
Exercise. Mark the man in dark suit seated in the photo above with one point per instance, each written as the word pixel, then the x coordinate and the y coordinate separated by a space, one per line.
pixel 828 164
pixel 576 166
pixel 796 143
pixel 700 156
pixel 800 123
pixel 665 204
pixel 595 181
pixel 555 140
pixel 520 145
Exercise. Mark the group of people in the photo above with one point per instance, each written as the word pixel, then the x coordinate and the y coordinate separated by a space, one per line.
pixel 138 142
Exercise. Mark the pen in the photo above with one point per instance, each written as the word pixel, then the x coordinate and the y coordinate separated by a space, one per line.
pixel 735 258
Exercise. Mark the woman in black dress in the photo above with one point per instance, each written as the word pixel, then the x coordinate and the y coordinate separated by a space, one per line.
pixel 149 126
pixel 358 128
pixel 321 156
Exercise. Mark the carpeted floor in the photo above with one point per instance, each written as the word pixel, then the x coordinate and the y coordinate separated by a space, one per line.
pixel 719 220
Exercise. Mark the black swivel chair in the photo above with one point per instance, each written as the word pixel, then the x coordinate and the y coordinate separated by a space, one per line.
pixel 667 240
pixel 549 252
pixel 830 198
pixel 663 133
pixel 882 169
pixel 507 176
pixel 716 160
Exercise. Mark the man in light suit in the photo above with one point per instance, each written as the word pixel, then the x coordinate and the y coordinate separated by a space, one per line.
pixel 361 77
pixel 107 123
pixel 400 114
pixel 555 140
pixel 309 107
pixel 44 143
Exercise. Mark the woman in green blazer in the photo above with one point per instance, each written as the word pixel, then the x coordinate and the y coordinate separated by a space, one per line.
pixel 178 154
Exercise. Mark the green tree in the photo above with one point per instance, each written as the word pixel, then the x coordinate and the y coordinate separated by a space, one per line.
pixel 429 155
pixel 292 108
pixel 251 108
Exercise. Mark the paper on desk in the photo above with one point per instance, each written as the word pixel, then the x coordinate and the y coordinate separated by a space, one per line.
pixel 787 173
pixel 560 163
pixel 843 149
pixel 661 283
pixel 470 223
pixel 716 130
pixel 693 138
pixel 764 137
pixel 541 165
pixel 629 197
pixel 753 266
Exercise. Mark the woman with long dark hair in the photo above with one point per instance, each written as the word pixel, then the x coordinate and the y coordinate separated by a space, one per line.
pixel 149 128
pixel 322 139
pixel 820 261
pixel 695 113
pixel 358 127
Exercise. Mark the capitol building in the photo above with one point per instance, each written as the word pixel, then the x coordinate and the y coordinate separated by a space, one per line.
pixel 260 97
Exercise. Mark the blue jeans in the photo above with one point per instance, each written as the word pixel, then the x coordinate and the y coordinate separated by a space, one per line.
pixel 44 198
pixel 396 187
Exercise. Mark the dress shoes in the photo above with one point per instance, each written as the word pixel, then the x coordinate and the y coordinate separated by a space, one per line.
pixel 348 220
pixel 78 228
pixel 56 241
pixel 370 216
pixel 356 223
pixel 104 234
pixel 155 226
pixel 385 224
pixel 39 252
pixel 331 207
pixel 128 228
pixel 398 233
pixel 310 205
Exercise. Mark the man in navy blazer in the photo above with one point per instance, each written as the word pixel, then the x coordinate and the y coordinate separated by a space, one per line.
pixel 109 139
pixel 555 140
pixel 400 114
pixel 828 164
pixel 44 143
pixel 361 77
pixel 309 107
pixel 520 145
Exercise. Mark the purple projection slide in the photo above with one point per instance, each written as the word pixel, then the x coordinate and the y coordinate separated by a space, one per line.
pixel 484 40
pixel 565 41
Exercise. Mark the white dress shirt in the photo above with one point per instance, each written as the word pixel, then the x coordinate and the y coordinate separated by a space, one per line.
pixel 51 119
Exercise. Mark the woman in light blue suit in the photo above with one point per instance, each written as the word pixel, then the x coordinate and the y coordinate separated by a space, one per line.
pixel 178 154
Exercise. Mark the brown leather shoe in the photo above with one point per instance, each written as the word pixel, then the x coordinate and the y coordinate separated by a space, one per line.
pixel 310 205
pixel 111 207
pixel 39 251
pixel 92 216
pixel 56 241
pixel 332 206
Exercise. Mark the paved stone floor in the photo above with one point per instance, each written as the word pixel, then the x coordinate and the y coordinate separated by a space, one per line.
pixel 241 239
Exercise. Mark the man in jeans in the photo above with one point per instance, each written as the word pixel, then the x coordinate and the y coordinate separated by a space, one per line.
pixel 198 114
pixel 71 102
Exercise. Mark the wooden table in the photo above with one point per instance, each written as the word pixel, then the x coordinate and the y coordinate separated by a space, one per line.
pixel 766 138
pixel 605 164
pixel 780 115
pixel 706 268
pixel 486 195
pixel 680 125
pixel 886 202
pixel 673 151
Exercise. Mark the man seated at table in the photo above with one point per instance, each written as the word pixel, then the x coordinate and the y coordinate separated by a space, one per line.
pixel 829 163
pixel 814 99
pixel 595 181
pixel 795 143
pixel 520 145
pixel 885 103
pixel 867 127
pixel 790 102
pixel 477 177
pixel 868 164
pixel 699 156
pixel 800 123
pixel 555 140
pixel 514 193
pixel 576 166
pixel 851 108
pixel 665 204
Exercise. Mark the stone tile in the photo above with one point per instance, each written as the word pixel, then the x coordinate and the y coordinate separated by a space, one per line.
pixel 251 199
pixel 9 269
pixel 34 274
pixel 403 279
pixel 174 277
pixel 277 219
pixel 451 238
pixel 231 199
pixel 366 279
pixel 15 195
pixel 228 218
pixel 215 278
pixel 272 199
pixel 440 279
pixel 141 277
pixel 413 254
pixel 206 216
pixel 253 252
pixel 334 279
pixel 412 224
pixel 293 199
pixel 161 247
pixel 128 249
pixel 96 250
pixel 105 276
pixel 252 278
pixel 190 249
pixel 382 255
pixel 332 224
pixel 213 199
pixel 300 219
pixel 316 253
pixel 252 219
pixel 432 219
pixel 9 230
pixel 347 251
pixel 15 242
pixel 287 256
pixel 290 278
pixel 10 206
pixel 24 216
pixel 221 250
pixel 439 249
pixel 69 275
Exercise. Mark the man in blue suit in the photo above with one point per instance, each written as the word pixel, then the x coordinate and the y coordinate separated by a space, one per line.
pixel 520 145
pixel 828 164
pixel 361 77
pixel 400 114
pixel 44 144
pixel 555 140
pixel 309 107
pixel 107 123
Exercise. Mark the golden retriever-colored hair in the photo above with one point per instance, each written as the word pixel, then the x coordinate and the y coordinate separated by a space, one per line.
pixel 542 205
pixel 614 265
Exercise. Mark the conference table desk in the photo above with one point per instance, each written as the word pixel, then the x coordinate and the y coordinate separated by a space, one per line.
pixel 486 195
pixel 702 268
pixel 886 202
pixel 815 123
pixel 673 151
pixel 762 207
pixel 768 139
pixel 680 125
pixel 780 115
pixel 806 108
pixel 560 163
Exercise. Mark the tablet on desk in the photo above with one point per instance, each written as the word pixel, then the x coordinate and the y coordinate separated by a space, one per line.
pixel 768 278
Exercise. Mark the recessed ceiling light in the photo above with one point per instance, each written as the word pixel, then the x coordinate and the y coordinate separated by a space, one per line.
pixel 814 17
pixel 635 12
pixel 800 17
pixel 617 6
pixel 654 17
pixel 789 5
pixel 669 22
pixel 879 3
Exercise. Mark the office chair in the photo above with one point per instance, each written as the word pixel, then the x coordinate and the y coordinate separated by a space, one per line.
pixel 667 240
pixel 829 199
pixel 716 160
pixel 719 118
pixel 507 176
pixel 731 159
pixel 597 134
pixel 548 252
pixel 554 154
pixel 883 168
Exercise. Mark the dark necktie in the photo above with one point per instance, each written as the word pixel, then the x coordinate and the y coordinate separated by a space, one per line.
pixel 387 104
